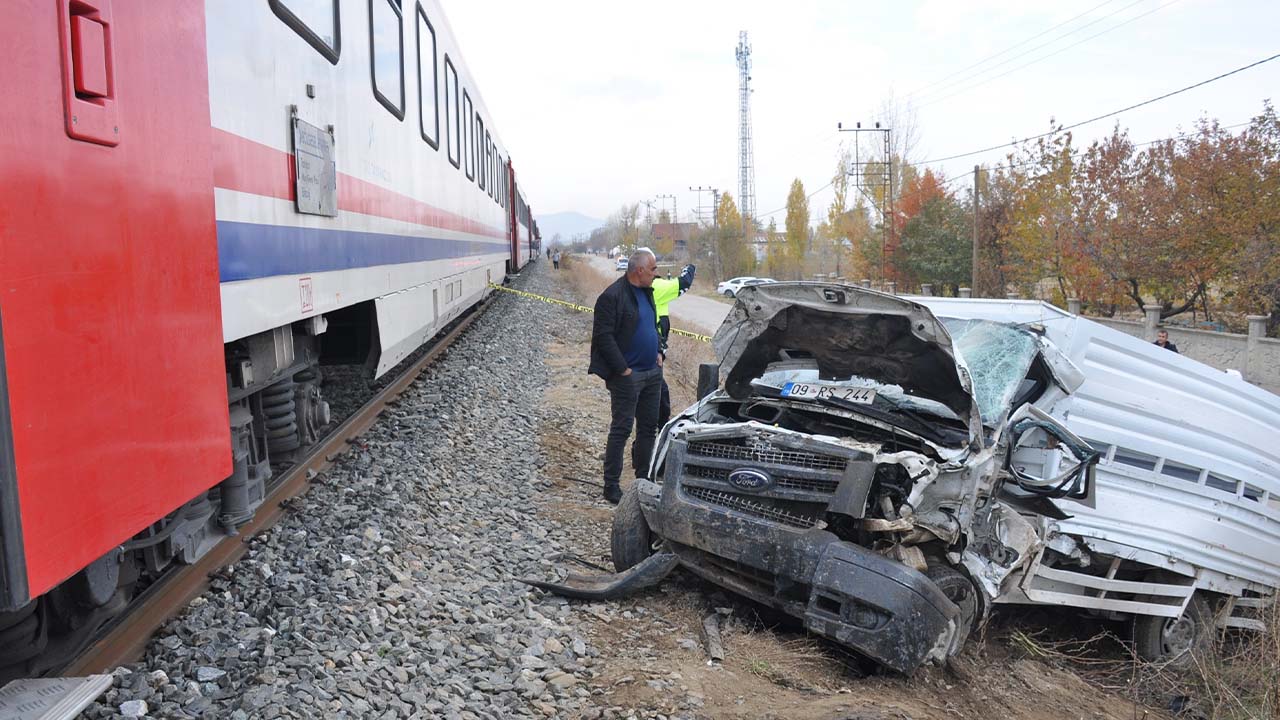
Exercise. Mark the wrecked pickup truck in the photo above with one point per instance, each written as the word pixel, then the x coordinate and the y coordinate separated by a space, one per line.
pixel 886 469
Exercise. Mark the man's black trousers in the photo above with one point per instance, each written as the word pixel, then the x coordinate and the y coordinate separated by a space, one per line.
pixel 634 401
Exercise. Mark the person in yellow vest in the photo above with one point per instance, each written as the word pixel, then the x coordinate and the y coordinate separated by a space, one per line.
pixel 664 291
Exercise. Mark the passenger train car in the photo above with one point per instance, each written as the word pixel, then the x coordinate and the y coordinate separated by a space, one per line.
pixel 205 202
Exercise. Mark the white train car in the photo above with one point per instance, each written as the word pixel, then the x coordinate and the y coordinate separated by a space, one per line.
pixel 415 210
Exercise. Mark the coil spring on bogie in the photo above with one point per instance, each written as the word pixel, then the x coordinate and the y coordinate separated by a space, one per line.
pixel 280 417
pixel 309 375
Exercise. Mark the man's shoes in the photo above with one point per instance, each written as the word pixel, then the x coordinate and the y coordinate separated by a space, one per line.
pixel 612 493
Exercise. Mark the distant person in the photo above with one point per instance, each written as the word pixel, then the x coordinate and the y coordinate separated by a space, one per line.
pixel 626 354
pixel 555 260
pixel 1162 339
pixel 664 291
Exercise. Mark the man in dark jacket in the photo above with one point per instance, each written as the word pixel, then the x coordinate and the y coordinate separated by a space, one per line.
pixel 626 353
pixel 1162 339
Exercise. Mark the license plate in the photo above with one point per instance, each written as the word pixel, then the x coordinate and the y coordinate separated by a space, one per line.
pixel 822 391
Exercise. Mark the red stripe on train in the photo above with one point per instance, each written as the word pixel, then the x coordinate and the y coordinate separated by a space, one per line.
pixel 250 167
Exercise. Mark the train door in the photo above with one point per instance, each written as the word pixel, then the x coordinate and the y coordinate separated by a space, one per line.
pixel 109 298
pixel 513 223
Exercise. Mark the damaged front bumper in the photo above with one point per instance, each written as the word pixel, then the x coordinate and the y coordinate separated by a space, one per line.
pixel 889 612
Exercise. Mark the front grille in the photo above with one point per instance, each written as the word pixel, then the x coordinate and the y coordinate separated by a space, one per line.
pixel 798 458
pixel 750 505
pixel 826 487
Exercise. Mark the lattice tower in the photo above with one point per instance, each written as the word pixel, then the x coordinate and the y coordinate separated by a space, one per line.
pixel 746 159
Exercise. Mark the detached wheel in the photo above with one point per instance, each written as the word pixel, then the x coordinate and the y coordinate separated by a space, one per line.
pixel 1176 642
pixel 960 591
pixel 630 541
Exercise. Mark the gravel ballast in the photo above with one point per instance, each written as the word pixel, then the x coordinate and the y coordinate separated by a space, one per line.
pixel 390 591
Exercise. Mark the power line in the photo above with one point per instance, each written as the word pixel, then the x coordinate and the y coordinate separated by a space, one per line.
pixel 965 69
pixel 807 197
pixel 1010 166
pixel 939 98
pixel 1104 116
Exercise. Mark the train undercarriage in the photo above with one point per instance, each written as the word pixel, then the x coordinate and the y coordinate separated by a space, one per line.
pixel 276 411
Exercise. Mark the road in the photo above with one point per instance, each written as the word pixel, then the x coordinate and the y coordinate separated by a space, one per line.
pixel 691 312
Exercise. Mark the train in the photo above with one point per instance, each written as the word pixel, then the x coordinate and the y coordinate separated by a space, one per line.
pixel 204 204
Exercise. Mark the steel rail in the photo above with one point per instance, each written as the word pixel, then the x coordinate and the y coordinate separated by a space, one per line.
pixel 127 639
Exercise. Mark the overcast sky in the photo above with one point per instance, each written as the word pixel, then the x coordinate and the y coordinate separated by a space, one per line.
pixel 602 103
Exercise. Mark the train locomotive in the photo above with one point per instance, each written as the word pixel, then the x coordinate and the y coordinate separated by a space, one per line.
pixel 205 203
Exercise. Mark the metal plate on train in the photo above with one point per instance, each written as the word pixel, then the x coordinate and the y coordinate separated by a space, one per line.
pixel 316 182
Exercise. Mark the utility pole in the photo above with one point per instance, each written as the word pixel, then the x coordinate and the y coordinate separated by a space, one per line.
pixel 883 183
pixel 700 210
pixel 662 199
pixel 973 272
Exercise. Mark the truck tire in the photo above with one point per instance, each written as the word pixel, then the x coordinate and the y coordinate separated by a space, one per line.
pixel 630 540
pixel 1175 642
pixel 960 591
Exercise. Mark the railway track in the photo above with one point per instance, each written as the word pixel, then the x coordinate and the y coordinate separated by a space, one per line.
pixel 126 638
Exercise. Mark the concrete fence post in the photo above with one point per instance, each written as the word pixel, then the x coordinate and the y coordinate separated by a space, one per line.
pixel 1013 296
pixel 966 292
pixel 866 283
pixel 926 289
pixel 1074 306
pixel 891 288
pixel 1151 322
pixel 1253 359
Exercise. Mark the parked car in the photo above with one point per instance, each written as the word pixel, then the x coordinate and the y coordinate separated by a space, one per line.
pixel 887 471
pixel 621 265
pixel 730 288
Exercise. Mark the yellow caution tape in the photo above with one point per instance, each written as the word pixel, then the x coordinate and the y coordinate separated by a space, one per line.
pixel 583 308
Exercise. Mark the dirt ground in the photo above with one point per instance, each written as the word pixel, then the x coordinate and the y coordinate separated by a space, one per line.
pixel 653 647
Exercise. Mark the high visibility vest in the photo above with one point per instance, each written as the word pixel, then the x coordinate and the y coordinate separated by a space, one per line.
pixel 664 291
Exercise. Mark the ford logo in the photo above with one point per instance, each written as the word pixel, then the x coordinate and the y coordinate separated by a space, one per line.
pixel 750 479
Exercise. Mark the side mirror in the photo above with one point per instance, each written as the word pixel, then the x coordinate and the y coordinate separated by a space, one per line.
pixel 708 379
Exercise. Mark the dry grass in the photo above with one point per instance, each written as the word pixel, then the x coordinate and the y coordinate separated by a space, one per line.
pixel 1238 678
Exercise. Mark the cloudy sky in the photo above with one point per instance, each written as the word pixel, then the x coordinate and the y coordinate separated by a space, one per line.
pixel 602 103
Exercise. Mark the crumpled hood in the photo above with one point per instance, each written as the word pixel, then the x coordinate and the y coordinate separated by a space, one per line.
pixel 849 331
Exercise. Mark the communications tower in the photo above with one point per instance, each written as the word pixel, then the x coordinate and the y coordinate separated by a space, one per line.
pixel 746 160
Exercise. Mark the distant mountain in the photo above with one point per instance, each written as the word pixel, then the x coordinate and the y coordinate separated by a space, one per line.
pixel 568 224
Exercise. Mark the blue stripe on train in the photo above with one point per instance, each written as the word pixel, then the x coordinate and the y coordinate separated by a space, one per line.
pixel 248 250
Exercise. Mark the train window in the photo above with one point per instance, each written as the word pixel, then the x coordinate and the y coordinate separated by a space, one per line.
pixel 488 152
pixel 428 83
pixel 451 112
pixel 386 47
pixel 315 21
pixel 483 175
pixel 468 135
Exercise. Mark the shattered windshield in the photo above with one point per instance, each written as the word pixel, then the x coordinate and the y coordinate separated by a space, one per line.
pixel 997 356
